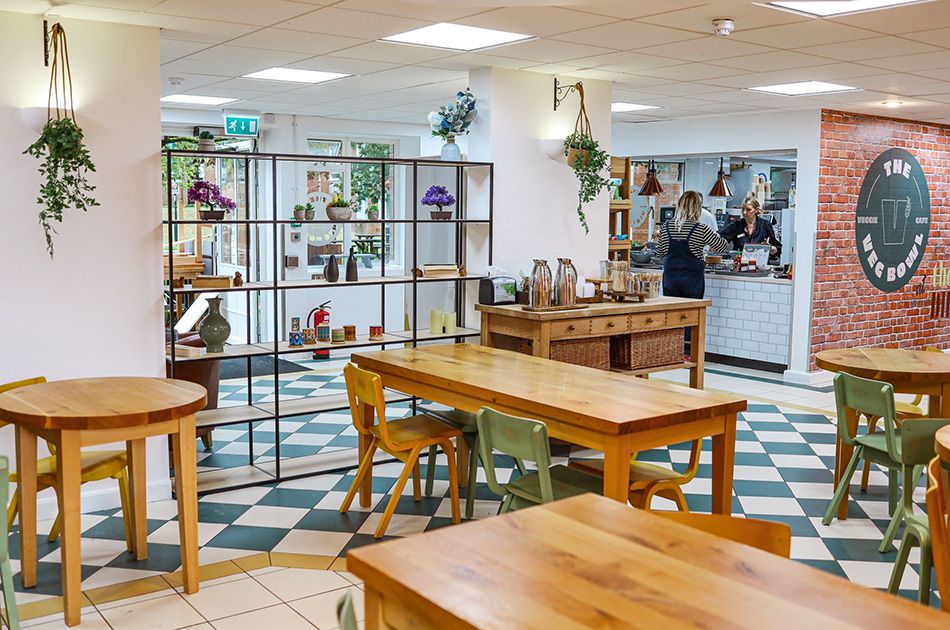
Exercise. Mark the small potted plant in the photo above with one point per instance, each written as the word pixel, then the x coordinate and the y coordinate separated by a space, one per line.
pixel 589 163
pixel 309 212
pixel 299 211
pixel 206 141
pixel 439 197
pixel 372 212
pixel 338 209
pixel 204 193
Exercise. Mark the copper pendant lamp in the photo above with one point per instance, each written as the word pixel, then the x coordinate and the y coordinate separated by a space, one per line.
pixel 651 187
pixel 720 188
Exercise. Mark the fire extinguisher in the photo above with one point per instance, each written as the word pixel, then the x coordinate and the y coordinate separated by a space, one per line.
pixel 320 315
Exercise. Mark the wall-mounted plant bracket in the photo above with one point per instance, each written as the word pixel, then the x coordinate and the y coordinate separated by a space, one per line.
pixel 561 91
pixel 45 44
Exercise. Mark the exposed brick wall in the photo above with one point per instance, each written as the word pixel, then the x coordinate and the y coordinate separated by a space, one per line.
pixel 848 311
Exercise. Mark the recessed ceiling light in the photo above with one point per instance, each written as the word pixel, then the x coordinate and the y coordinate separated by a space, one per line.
pixel 892 104
pixel 630 107
pixel 840 7
pixel 194 99
pixel 802 88
pixel 456 37
pixel 295 75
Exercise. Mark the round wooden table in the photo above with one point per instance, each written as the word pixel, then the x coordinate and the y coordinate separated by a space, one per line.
pixel 942 444
pixel 908 371
pixel 83 412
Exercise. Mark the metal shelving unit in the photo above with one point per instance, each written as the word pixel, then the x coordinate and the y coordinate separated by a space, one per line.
pixel 256 473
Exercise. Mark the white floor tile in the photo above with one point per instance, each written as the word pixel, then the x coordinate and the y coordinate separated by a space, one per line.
pixel 319 482
pixel 280 616
pixel 165 510
pixel 271 516
pixel 797 461
pixel 756 473
pixel 167 534
pixel 313 542
pixel 766 506
pixel 850 528
pixel 805 548
pixel 808 490
pixel 244 496
pixel 320 610
pixel 877 574
pixel 334 499
pixel 162 613
pixel 90 619
pixel 399 525
pixel 231 598
pixel 785 437
pixel 107 576
pixel 93 551
pixel 291 584
pixel 309 439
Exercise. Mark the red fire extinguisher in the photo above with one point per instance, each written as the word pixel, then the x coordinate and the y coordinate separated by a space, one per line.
pixel 320 315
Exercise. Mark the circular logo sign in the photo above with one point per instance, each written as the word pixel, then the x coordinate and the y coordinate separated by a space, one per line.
pixel 892 222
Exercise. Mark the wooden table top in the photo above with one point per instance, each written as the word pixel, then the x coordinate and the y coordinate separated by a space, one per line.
pixel 101 403
pixel 887 364
pixel 592 562
pixel 942 442
pixel 596 310
pixel 608 402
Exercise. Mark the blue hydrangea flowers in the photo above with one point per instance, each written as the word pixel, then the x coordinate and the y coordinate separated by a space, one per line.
pixel 455 118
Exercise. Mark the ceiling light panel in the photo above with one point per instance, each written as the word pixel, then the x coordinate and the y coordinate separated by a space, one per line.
pixel 457 37
pixel 804 88
pixel 832 8
pixel 194 99
pixel 295 75
pixel 630 107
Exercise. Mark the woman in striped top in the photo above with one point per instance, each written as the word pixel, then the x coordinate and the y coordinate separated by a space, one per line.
pixel 681 243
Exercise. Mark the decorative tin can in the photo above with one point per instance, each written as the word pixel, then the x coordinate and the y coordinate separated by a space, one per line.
pixel 295 324
pixel 309 336
pixel 375 333
pixel 349 333
pixel 338 336
pixel 323 333
pixel 296 339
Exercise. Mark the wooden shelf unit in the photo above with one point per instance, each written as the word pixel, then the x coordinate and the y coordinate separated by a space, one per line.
pixel 620 209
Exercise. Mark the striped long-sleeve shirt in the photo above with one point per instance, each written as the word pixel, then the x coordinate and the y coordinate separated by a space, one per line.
pixel 701 237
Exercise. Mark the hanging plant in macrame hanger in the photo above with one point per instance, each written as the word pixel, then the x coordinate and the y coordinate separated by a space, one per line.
pixel 65 159
pixel 588 160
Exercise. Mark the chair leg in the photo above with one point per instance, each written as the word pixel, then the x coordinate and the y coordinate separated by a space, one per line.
pixel 472 478
pixel 680 499
pixel 9 597
pixel 865 476
pixel 506 504
pixel 54 530
pixel 13 509
pixel 900 562
pixel 206 441
pixel 926 564
pixel 842 485
pixel 365 465
pixel 125 498
pixel 430 469
pixel 453 480
pixel 646 498
pixel 891 491
pixel 891 532
pixel 397 492
pixel 416 483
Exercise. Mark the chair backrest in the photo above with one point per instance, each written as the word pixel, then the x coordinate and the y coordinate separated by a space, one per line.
pixel 345 612
pixel 938 511
pixel 365 389
pixel 868 397
pixel 917 440
pixel 5 387
pixel 521 438
pixel 770 536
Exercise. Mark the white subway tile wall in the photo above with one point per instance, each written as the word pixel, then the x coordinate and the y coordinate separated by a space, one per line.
pixel 749 319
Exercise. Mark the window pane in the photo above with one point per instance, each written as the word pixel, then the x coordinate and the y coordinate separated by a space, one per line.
pixel 324 147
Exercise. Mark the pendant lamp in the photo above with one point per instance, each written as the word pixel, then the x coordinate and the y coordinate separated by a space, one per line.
pixel 651 187
pixel 720 188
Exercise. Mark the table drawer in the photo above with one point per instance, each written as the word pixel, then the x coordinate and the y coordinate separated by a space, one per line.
pixel 609 325
pixel 570 328
pixel 647 321
pixel 682 318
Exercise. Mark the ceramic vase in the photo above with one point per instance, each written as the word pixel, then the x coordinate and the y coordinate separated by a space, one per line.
pixel 339 213
pixel 332 270
pixel 214 329
pixel 352 274
pixel 310 214
pixel 451 151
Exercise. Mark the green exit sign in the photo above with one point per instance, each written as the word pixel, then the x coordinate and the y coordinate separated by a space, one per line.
pixel 241 126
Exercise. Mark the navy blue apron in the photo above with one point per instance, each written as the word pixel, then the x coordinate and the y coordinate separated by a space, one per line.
pixel 683 273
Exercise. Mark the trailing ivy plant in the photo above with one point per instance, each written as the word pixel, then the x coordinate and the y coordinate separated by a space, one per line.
pixel 589 166
pixel 65 164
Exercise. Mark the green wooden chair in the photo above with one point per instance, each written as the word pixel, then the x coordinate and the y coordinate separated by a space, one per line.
pixel 917 449
pixel 527 440
pixel 871 398
pixel 6 575
pixel 346 613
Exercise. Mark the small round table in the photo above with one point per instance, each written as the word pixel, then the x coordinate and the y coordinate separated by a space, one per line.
pixel 83 412
pixel 908 371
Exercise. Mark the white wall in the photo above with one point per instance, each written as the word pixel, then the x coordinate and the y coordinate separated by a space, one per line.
pixel 738 134
pixel 97 308
pixel 535 197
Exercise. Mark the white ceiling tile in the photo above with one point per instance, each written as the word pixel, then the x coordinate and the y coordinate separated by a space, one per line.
pixel 775 60
pixel 189 81
pixel 393 53
pixel 335 90
pixel 36 7
pixel 339 64
pixel 546 51
pixel 295 41
pixel 627 35
pixel 746 14
pixel 834 73
pixel 353 23
pixel 872 48
pixel 473 61
pixel 435 11
pixel 691 72
pixel 698 90
pixel 627 61
pixel 238 11
pixel 233 60
pixel 707 48
pixel 802 34
pixel 401 78
pixel 630 10
pixel 131 5
pixel 942 75
pixel 899 83
pixel 555 68
pixel 940 98
pixel 172 49
pixel 914 63
pixel 915 17
pixel 540 21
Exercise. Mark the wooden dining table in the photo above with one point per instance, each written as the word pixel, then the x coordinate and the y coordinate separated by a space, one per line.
pixel 74 413
pixel 614 413
pixel 942 443
pixel 590 562
pixel 908 372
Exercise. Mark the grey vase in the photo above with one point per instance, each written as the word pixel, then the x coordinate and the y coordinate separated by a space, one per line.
pixel 352 275
pixel 332 270
pixel 214 329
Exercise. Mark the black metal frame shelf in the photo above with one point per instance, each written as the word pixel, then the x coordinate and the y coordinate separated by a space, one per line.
pixel 252 411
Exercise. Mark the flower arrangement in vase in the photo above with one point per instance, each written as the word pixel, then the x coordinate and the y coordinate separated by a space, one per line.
pixel 338 209
pixel 439 197
pixel 454 119
pixel 206 141
pixel 204 192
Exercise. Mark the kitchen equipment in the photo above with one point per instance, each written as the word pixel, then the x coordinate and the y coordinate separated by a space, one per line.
pixel 565 283
pixel 497 290
pixel 540 285
pixel 643 257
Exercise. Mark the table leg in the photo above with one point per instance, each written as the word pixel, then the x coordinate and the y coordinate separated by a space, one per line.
pixel 135 452
pixel 366 490
pixel 723 464
pixel 26 485
pixel 541 343
pixel 616 471
pixel 374 610
pixel 939 406
pixel 487 337
pixel 461 461
pixel 186 490
pixel 697 349
pixel 68 463
pixel 843 454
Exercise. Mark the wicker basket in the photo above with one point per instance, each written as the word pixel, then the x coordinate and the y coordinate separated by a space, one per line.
pixel 646 349
pixel 593 352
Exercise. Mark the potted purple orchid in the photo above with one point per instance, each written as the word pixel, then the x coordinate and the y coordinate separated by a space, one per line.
pixel 204 192
pixel 439 197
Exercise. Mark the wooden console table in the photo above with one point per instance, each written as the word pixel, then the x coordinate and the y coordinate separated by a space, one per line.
pixel 601 320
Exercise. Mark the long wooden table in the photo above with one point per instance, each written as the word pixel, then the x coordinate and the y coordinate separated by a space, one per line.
pixel 84 412
pixel 607 319
pixel 908 371
pixel 590 562
pixel 613 413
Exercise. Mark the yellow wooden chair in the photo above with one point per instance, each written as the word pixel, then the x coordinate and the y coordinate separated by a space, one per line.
pixel 403 439
pixel 902 411
pixel 938 511
pixel 96 465
pixel 648 480
pixel 770 536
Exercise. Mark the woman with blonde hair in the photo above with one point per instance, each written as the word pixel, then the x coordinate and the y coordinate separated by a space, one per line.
pixel 681 243
pixel 752 229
